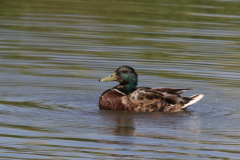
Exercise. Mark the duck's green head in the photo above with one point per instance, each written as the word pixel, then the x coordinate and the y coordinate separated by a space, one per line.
pixel 126 76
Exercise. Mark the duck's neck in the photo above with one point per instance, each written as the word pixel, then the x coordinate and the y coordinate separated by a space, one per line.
pixel 127 88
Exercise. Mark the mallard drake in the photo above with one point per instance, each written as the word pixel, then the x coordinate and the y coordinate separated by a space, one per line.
pixel 128 97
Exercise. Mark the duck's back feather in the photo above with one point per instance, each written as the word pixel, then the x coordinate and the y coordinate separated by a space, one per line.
pixel 159 100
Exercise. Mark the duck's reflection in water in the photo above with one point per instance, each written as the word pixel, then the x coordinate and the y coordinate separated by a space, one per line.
pixel 135 124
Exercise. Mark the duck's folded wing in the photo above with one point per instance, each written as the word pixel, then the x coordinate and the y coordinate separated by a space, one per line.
pixel 145 95
pixel 150 95
pixel 171 90
pixel 171 95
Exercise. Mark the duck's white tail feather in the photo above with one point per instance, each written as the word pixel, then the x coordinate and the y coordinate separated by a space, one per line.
pixel 193 100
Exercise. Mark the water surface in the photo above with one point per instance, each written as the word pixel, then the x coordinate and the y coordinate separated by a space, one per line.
pixel 52 54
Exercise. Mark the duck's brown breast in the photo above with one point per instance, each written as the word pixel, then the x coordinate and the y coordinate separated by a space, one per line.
pixel 112 100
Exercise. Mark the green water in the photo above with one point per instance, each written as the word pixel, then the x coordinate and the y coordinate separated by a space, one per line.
pixel 52 54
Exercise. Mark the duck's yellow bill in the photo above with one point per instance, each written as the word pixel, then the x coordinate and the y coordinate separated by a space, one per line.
pixel 112 77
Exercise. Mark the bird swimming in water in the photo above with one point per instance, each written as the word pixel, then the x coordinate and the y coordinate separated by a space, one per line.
pixel 128 97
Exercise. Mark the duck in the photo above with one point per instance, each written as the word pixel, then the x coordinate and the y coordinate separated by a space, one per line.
pixel 126 96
